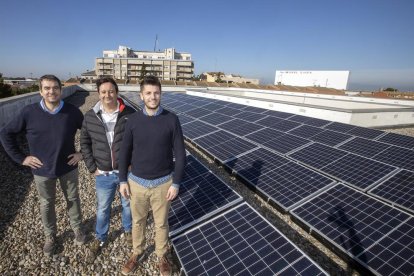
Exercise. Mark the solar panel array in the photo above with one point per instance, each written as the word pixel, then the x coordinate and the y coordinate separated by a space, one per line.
pixel 241 242
pixel 202 194
pixel 292 160
pixel 378 236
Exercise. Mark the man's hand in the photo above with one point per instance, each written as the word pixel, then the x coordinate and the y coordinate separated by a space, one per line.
pixel 96 173
pixel 32 162
pixel 74 158
pixel 124 190
pixel 172 193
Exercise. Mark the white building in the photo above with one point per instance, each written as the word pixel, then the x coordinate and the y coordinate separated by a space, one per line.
pixel 329 79
pixel 126 63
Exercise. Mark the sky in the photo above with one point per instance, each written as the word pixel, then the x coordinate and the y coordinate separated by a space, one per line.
pixel 373 39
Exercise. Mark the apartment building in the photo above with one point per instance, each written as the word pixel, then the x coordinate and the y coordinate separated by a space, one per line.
pixel 128 64
pixel 230 78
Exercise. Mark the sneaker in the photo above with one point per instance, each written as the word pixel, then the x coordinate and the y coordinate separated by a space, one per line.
pixel 94 250
pixel 49 247
pixel 128 238
pixel 131 265
pixel 164 266
pixel 80 237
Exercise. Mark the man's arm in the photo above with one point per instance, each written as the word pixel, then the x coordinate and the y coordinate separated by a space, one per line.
pixel 86 148
pixel 179 153
pixel 124 159
pixel 8 137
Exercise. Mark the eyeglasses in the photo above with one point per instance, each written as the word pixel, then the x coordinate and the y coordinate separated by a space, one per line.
pixel 48 88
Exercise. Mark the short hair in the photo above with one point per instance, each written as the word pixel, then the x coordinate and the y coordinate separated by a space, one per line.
pixel 101 81
pixel 50 78
pixel 150 80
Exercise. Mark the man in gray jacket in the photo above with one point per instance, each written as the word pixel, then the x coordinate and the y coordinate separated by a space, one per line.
pixel 101 137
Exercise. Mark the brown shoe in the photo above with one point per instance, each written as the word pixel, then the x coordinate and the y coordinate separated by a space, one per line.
pixel 165 267
pixel 130 265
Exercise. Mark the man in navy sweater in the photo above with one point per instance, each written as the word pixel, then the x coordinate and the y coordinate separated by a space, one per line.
pixel 50 127
pixel 151 139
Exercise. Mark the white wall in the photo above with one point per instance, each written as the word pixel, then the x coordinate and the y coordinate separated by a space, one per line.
pixel 330 79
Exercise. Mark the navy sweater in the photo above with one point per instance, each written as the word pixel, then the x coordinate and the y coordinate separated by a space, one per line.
pixel 50 137
pixel 148 146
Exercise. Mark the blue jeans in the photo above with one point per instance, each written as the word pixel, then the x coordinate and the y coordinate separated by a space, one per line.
pixel 106 187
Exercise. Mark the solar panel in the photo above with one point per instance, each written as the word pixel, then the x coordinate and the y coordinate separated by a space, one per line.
pixel 216 118
pixel 197 129
pixel 305 131
pixel 364 132
pixel 213 106
pixel 393 255
pixel 235 105
pixel 214 139
pixel 357 224
pixel 254 109
pixel 201 196
pixel 250 116
pixel 255 163
pixel 398 140
pixel 398 190
pixel 184 119
pixel 339 127
pixel 184 108
pixel 198 112
pixel 228 111
pixel 240 127
pixel 364 147
pixel 231 149
pixel 299 118
pixel 358 171
pixel 264 135
pixel 317 155
pixel 269 121
pixel 240 242
pixel 330 138
pixel 286 143
pixel 317 122
pixel 279 114
pixel 396 156
pixel 285 125
pixel 193 168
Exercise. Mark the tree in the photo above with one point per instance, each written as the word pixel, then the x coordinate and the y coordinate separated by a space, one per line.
pixel 390 89
pixel 5 90
pixel 143 71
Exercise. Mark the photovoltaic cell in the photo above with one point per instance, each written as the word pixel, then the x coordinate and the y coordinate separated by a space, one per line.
pixel 317 155
pixel 398 140
pixel 213 106
pixel 184 119
pixel 396 156
pixel 269 121
pixel 255 163
pixel 196 129
pixel 358 171
pixel 306 131
pixel 254 109
pixel 231 149
pixel 193 168
pixel 229 111
pixel 394 254
pixel 364 132
pixel 240 242
pixel 264 135
pixel 198 112
pixel 286 143
pixel 250 116
pixel 299 118
pixel 279 114
pixel 235 105
pixel 339 127
pixel 364 147
pixel 285 125
pixel 240 127
pixel 330 138
pixel 200 197
pixel 214 139
pixel 317 122
pixel 399 190
pixel 216 118
pixel 360 225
